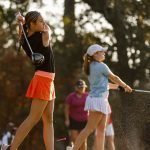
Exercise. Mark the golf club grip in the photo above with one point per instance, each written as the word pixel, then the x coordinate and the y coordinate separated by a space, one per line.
pixel 21 25
pixel 121 89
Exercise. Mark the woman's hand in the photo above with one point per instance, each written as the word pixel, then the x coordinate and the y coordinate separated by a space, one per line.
pixel 127 88
pixel 67 123
pixel 46 28
pixel 46 35
pixel 20 18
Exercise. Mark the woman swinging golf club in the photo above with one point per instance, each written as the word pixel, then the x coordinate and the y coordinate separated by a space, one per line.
pixel 41 88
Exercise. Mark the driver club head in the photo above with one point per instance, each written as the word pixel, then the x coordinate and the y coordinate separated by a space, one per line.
pixel 37 59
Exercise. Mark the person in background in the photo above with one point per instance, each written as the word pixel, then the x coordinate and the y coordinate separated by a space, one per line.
pixel 8 134
pixel 75 116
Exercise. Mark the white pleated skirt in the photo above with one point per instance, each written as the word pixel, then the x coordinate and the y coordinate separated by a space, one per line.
pixel 99 104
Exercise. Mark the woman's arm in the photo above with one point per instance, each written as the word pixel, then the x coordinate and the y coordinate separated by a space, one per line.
pixel 46 36
pixel 115 79
pixel 113 86
pixel 20 19
pixel 66 112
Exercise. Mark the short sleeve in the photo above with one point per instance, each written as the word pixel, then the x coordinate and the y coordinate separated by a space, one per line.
pixel 105 70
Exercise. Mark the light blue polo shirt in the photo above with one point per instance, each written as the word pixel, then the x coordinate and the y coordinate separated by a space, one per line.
pixel 98 78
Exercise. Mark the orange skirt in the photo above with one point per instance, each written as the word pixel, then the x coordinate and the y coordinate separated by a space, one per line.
pixel 42 86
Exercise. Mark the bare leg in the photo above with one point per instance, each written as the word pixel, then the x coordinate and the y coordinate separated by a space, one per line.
pixel 110 143
pixel 73 135
pixel 48 129
pixel 100 134
pixel 93 120
pixel 84 145
pixel 37 108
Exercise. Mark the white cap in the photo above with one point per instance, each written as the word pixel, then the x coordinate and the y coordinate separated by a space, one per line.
pixel 95 48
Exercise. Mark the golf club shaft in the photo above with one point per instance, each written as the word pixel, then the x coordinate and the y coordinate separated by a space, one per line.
pixel 21 25
pixel 135 90
pixel 26 37
pixel 141 91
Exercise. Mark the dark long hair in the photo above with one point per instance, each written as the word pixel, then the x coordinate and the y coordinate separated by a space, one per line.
pixel 31 16
pixel 87 60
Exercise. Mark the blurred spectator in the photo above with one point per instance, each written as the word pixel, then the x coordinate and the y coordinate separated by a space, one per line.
pixel 8 135
pixel 75 116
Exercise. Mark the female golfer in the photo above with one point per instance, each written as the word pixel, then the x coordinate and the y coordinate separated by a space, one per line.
pixel 97 100
pixel 41 88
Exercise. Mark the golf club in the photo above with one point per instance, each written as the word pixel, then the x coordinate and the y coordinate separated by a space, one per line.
pixel 134 90
pixel 141 91
pixel 36 58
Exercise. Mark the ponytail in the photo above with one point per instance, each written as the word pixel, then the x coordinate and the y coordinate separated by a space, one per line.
pixel 87 60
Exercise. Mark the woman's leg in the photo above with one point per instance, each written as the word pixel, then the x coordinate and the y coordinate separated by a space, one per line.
pixel 73 135
pixel 110 142
pixel 100 134
pixel 93 120
pixel 48 129
pixel 84 145
pixel 36 110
